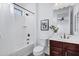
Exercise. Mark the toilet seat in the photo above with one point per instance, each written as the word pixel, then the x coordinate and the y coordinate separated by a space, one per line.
pixel 38 50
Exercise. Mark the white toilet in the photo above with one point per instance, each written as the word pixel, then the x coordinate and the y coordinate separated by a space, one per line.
pixel 39 50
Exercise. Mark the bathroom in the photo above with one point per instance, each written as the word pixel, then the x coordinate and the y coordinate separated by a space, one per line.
pixel 39 29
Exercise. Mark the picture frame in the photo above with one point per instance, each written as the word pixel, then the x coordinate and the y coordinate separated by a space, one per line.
pixel 45 25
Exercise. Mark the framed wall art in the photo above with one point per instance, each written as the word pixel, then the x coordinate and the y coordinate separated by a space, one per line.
pixel 45 25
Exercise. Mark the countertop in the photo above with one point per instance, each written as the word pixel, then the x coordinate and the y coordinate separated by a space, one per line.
pixel 72 39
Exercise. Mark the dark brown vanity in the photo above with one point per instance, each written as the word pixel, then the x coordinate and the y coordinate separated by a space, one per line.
pixel 58 48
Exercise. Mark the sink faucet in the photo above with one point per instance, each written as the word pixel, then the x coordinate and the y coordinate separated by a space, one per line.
pixel 64 36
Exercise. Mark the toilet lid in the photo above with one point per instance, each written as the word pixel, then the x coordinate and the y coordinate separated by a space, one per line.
pixel 38 49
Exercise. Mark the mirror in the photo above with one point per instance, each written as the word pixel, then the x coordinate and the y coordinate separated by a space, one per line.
pixel 64 18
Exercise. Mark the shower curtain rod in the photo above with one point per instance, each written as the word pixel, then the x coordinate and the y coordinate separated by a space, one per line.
pixel 23 8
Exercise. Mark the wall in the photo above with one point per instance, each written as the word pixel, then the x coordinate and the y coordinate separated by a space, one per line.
pixel 32 21
pixel 45 11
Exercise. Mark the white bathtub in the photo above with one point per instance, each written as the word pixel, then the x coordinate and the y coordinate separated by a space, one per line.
pixel 25 51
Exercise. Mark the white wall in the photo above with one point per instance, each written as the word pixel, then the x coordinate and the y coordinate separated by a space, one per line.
pixel 45 11
pixel 31 20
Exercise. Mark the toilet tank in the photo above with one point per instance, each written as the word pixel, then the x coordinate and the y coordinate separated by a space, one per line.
pixel 42 42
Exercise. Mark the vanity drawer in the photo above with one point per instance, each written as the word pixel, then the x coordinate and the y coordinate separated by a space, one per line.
pixel 55 44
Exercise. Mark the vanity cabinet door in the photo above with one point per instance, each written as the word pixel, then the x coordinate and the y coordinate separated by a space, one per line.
pixel 71 49
pixel 56 44
pixel 55 51
pixel 56 48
